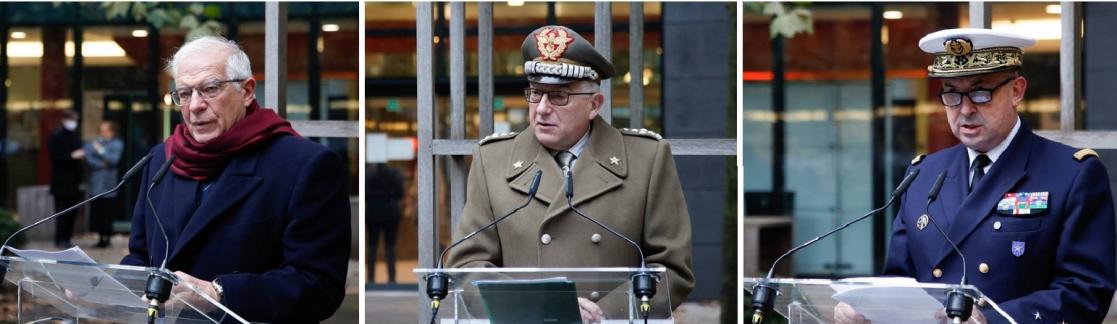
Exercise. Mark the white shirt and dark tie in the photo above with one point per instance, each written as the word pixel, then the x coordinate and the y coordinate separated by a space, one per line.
pixel 981 162
pixel 566 159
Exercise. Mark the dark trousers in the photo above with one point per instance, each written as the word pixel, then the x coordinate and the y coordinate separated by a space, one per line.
pixel 373 230
pixel 64 224
pixel 101 213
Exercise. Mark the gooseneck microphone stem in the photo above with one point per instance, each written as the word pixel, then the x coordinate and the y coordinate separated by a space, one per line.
pixel 127 175
pixel 930 199
pixel 532 190
pixel 959 306
pixel 438 283
pixel 570 196
pixel 643 283
pixel 764 293
pixel 158 288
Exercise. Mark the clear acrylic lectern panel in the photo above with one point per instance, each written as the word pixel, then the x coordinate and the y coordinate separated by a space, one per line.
pixel 474 292
pixel 51 291
pixel 880 300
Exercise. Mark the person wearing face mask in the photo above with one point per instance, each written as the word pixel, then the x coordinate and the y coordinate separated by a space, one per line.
pixel 256 216
pixel 624 178
pixel 1034 218
pixel 66 154
pixel 103 158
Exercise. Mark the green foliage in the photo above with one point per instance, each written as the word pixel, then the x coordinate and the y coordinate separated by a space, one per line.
pixel 198 19
pixel 786 23
pixel 9 225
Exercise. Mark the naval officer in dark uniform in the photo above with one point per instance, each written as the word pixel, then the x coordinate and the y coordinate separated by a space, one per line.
pixel 1034 218
pixel 623 178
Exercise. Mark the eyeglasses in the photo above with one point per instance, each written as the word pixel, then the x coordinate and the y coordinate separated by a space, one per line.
pixel 977 96
pixel 209 91
pixel 556 97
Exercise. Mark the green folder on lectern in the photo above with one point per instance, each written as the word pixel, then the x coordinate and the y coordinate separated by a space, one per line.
pixel 543 295
pixel 553 300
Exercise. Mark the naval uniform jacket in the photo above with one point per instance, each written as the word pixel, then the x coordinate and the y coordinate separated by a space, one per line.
pixel 626 180
pixel 273 229
pixel 1048 265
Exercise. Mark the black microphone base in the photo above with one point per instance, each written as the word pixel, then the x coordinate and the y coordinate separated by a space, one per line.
pixel 959 306
pixel 158 288
pixel 157 291
pixel 438 286
pixel 643 287
pixel 763 299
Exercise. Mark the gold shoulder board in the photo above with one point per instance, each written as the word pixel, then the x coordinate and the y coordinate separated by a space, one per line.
pixel 1084 153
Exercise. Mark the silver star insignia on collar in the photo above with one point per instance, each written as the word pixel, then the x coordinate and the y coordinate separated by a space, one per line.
pixel 518 164
pixel 1038 316
pixel 614 161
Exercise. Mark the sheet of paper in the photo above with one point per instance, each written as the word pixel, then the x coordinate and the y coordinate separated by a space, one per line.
pixel 521 281
pixel 888 300
pixel 91 285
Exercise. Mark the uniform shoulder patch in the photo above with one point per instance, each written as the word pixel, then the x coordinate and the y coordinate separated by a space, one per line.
pixel 1084 153
pixel 497 137
pixel 641 132
pixel 917 159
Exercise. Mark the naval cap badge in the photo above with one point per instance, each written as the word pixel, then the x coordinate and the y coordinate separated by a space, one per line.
pixel 958 46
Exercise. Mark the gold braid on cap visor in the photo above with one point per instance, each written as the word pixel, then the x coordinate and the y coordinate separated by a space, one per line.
pixel 562 70
pixel 987 60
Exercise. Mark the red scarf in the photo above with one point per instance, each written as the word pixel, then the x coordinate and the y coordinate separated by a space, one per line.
pixel 200 161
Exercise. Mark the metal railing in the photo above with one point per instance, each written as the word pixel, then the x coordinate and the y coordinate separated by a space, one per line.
pixel 275 75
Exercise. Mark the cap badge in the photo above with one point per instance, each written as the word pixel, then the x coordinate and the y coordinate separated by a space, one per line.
pixel 552 43
pixel 958 46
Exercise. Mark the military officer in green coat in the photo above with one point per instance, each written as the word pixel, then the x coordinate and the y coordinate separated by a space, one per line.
pixel 623 178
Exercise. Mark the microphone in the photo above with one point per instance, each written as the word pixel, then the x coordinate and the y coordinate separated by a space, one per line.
pixel 764 293
pixel 959 305
pixel 643 283
pixel 127 175
pixel 158 288
pixel 438 283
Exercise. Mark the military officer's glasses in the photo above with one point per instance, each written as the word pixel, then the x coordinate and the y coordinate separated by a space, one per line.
pixel 977 96
pixel 556 97
pixel 209 90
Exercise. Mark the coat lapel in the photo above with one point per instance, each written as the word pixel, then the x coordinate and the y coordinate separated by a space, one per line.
pixel 954 192
pixel 1006 172
pixel 533 157
pixel 594 174
pixel 183 198
pixel 236 182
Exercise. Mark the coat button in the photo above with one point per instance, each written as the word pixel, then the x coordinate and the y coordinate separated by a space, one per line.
pixel 596 238
pixel 997 226
pixel 937 273
pixel 546 239
pixel 983 267
pixel 595 296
